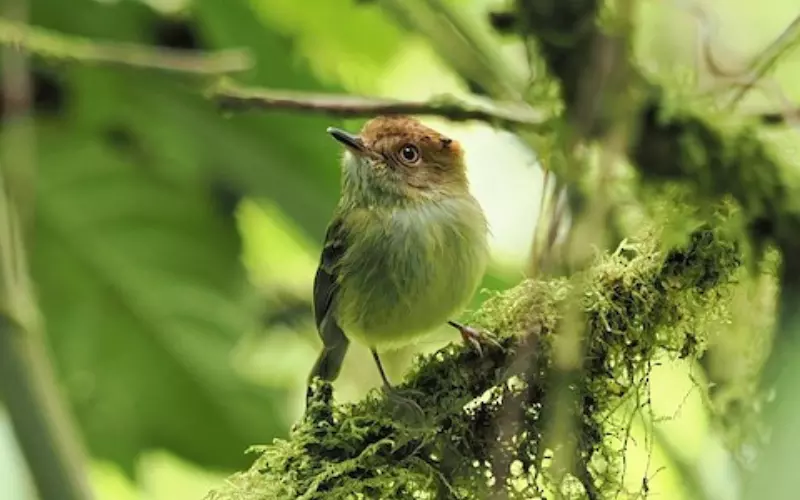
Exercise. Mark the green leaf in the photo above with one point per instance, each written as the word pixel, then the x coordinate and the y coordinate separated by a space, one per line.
pixel 343 41
pixel 144 299
pixel 285 157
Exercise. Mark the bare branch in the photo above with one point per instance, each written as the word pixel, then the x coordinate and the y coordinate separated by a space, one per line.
pixel 511 115
pixel 58 46
pixel 769 57
pixel 744 80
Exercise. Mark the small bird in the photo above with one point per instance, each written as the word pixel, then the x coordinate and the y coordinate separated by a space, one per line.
pixel 406 248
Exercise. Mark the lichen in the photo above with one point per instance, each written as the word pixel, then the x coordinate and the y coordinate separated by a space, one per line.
pixel 485 416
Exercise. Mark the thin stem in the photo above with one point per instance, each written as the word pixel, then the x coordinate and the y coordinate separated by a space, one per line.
pixel 768 58
pixel 486 53
pixel 44 434
pixel 461 45
pixel 232 97
pixel 41 423
pixel 49 44
pixel 379 364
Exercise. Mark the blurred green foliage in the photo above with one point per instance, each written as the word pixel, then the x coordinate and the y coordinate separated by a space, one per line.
pixel 137 248
pixel 137 254
pixel 136 251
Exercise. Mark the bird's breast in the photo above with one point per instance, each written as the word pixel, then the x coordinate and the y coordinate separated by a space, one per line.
pixel 409 270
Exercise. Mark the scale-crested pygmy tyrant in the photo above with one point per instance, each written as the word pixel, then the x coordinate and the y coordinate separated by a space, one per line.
pixel 406 248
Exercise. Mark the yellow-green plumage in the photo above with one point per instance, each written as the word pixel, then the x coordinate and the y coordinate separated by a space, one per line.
pixel 407 246
pixel 410 268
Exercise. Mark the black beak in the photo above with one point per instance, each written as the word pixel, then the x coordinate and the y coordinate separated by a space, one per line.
pixel 350 141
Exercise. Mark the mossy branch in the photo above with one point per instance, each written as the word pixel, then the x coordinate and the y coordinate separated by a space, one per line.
pixel 639 303
pixel 715 155
pixel 718 158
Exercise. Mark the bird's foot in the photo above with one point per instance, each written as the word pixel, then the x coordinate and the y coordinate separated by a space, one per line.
pixel 475 337
pixel 397 396
pixel 404 403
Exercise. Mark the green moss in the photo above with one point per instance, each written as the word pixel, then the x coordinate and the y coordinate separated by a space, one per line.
pixel 484 416
pixel 719 158
pixel 715 152
pixel 565 30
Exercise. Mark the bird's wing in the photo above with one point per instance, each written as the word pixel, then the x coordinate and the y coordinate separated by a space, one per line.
pixel 326 285
pixel 326 280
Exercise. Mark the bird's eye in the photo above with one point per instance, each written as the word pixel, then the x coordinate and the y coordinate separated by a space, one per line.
pixel 409 153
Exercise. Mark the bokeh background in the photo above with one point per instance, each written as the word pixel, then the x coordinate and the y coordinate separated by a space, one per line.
pixel 173 245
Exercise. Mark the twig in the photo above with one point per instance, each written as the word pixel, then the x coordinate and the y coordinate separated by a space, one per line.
pixel 49 44
pixel 233 97
pixel 472 54
pixel 767 60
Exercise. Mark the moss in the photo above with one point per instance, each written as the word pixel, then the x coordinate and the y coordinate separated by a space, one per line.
pixel 718 156
pixel 714 152
pixel 564 29
pixel 719 160
pixel 484 416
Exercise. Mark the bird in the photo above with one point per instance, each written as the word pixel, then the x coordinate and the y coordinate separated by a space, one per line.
pixel 406 248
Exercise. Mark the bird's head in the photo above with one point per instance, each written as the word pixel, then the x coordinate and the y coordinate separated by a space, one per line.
pixel 400 158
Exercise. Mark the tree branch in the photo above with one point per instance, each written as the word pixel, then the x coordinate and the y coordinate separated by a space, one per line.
pixel 768 58
pixel 717 160
pixel 45 434
pixel 41 421
pixel 675 143
pixel 516 115
pixel 52 45
pixel 638 306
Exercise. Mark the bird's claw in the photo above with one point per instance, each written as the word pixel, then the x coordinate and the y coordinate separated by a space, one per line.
pixel 398 398
pixel 475 337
